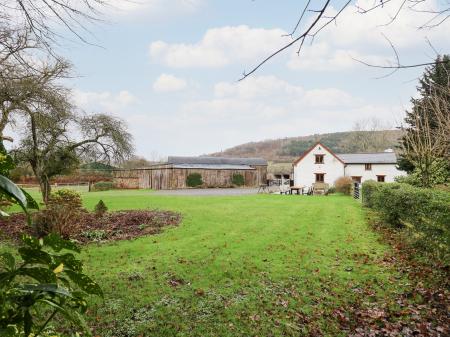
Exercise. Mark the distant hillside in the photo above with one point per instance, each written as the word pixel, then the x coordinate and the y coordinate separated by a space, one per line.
pixel 287 149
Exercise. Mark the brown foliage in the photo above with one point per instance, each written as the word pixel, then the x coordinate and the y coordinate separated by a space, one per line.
pixel 62 214
pixel 344 185
pixel 121 225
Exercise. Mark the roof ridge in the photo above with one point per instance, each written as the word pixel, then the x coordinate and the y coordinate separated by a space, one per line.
pixel 364 153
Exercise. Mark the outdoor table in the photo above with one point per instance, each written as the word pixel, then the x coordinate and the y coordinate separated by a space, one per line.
pixel 299 189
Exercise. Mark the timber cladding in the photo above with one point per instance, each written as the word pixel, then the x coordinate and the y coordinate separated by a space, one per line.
pixel 170 176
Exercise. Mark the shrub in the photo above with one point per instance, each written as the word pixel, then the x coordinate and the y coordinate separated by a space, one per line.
pixel 368 189
pixel 95 235
pixel 103 186
pixel 61 215
pixel 41 279
pixel 70 198
pixel 100 209
pixel 238 179
pixel 44 280
pixel 344 185
pixel 425 213
pixel 331 190
pixel 194 180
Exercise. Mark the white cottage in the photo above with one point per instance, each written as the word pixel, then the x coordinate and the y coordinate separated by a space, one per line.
pixel 320 164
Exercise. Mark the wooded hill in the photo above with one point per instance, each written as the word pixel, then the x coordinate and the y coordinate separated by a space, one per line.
pixel 288 149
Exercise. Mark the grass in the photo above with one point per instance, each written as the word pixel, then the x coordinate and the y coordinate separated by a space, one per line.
pixel 265 265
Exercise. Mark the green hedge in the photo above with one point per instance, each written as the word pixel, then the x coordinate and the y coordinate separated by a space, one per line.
pixel 368 189
pixel 238 179
pixel 194 180
pixel 103 186
pixel 424 212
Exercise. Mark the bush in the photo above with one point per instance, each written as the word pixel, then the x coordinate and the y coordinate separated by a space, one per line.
pixel 194 180
pixel 100 209
pixel 70 198
pixel 41 278
pixel 344 185
pixel 238 179
pixel 62 214
pixel 331 190
pixel 425 213
pixel 368 189
pixel 95 235
pixel 103 186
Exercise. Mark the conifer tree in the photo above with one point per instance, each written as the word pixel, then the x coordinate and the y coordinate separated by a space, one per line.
pixel 435 80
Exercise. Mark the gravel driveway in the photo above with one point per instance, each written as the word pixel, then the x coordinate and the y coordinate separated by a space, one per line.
pixel 209 191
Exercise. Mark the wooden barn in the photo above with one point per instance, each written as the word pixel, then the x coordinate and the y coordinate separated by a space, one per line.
pixel 215 172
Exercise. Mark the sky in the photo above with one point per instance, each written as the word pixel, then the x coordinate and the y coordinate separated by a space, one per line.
pixel 170 70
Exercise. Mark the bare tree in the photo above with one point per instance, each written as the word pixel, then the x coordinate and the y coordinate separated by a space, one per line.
pixel 370 135
pixel 38 17
pixel 22 89
pixel 55 136
pixel 314 18
pixel 427 143
pixel 55 142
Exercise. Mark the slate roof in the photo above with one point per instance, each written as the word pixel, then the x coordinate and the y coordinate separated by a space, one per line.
pixel 213 167
pixel 368 158
pixel 216 161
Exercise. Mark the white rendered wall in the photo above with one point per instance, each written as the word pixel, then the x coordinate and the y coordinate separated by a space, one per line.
pixel 390 171
pixel 304 171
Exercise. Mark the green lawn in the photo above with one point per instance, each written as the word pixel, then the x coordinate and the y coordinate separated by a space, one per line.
pixel 262 265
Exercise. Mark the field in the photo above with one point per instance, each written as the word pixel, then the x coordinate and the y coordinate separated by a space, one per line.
pixel 257 265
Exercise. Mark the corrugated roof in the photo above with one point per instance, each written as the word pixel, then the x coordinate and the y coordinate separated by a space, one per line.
pixel 213 167
pixel 368 158
pixel 216 161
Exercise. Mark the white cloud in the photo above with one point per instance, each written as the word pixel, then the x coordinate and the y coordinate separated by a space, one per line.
pixel 322 56
pixel 363 37
pixel 232 113
pixel 264 107
pixel 151 7
pixel 169 83
pixel 218 47
pixel 104 101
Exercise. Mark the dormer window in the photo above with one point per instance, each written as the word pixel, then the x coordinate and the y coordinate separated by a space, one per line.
pixel 319 158
pixel 368 167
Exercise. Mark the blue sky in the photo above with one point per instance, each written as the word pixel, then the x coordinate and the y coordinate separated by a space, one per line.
pixel 169 68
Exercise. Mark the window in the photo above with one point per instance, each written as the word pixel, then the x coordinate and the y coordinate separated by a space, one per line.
pixel 320 177
pixel 356 179
pixel 319 158
pixel 380 179
pixel 368 167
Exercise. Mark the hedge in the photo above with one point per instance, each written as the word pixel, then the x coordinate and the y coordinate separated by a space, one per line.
pixel 194 180
pixel 368 189
pixel 238 179
pixel 103 186
pixel 424 212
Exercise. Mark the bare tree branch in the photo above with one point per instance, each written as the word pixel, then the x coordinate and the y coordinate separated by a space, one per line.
pixel 442 13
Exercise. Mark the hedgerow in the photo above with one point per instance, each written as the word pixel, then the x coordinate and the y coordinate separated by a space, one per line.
pixel 103 186
pixel 424 213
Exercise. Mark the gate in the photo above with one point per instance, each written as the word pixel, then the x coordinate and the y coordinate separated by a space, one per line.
pixel 356 190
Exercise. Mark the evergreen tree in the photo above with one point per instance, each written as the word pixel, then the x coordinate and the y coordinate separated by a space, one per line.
pixel 435 78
